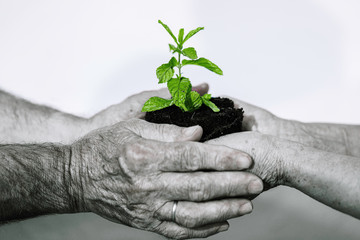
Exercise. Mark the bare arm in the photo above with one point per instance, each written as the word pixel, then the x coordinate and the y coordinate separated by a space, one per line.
pixel 23 121
pixel 336 138
pixel 33 180
pixel 330 178
pixel 131 173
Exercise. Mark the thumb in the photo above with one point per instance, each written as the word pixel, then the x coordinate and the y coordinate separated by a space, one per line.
pixel 201 88
pixel 165 132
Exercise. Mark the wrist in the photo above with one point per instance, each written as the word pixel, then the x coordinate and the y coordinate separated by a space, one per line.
pixel 59 180
pixel 33 180
pixel 73 174
pixel 106 117
pixel 294 131
pixel 291 162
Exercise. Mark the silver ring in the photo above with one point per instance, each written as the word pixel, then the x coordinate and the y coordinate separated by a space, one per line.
pixel 174 211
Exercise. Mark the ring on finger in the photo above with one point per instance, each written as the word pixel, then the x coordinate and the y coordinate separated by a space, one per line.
pixel 173 213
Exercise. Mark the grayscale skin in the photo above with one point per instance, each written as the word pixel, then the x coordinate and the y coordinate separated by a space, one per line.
pixel 120 167
pixel 320 159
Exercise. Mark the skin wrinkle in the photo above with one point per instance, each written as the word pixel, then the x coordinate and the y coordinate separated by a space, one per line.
pixel 27 181
pixel 345 139
pixel 85 172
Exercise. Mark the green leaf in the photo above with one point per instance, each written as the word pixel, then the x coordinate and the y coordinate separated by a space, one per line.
pixel 172 47
pixel 181 36
pixel 173 62
pixel 207 96
pixel 169 31
pixel 156 103
pixel 190 53
pixel 204 63
pixel 179 89
pixel 196 100
pixel 165 72
pixel 192 33
pixel 210 104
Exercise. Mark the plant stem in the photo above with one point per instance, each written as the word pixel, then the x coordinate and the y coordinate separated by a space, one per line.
pixel 179 65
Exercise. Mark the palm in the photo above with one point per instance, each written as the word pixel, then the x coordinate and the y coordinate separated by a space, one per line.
pixel 258 119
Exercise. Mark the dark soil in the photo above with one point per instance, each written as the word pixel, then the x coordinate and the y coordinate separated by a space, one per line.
pixel 214 124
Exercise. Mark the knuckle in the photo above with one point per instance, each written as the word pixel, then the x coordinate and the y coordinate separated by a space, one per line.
pixel 197 189
pixel 191 222
pixel 189 218
pixel 176 233
pixel 191 158
pixel 133 151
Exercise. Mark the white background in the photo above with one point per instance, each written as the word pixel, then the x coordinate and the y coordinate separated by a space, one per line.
pixel 298 59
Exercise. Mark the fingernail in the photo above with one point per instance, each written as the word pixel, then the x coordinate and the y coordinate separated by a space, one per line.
pixel 202 86
pixel 190 130
pixel 255 186
pixel 245 160
pixel 223 228
pixel 246 208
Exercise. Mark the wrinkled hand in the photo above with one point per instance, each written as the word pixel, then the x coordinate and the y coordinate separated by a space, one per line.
pixel 133 171
pixel 268 153
pixel 318 136
pixel 131 107
pixel 258 119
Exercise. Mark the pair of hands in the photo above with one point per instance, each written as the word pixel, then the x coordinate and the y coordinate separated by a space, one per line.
pixel 264 130
pixel 131 172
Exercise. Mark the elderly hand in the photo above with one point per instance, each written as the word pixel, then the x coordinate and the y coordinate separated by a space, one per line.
pixel 268 153
pixel 258 119
pixel 336 138
pixel 134 171
pixel 330 178
pixel 131 107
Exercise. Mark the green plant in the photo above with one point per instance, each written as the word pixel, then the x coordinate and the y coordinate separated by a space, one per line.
pixel 180 86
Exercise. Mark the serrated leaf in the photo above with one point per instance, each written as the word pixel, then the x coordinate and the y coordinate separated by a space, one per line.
pixel 179 89
pixel 204 63
pixel 210 105
pixel 168 30
pixel 192 33
pixel 206 96
pixel 173 62
pixel 190 52
pixel 196 100
pixel 181 36
pixel 164 73
pixel 156 103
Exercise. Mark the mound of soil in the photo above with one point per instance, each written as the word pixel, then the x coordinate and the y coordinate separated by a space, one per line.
pixel 214 124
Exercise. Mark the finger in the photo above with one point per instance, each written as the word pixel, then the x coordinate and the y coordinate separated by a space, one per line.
pixel 193 156
pixel 165 132
pixel 142 97
pixel 201 89
pixel 193 214
pixel 251 113
pixel 174 231
pixel 131 106
pixel 205 186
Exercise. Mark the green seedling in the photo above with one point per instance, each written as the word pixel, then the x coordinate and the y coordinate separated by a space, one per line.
pixel 180 86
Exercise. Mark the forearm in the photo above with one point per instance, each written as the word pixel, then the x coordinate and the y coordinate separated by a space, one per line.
pixel 336 138
pixel 22 122
pixel 330 178
pixel 34 180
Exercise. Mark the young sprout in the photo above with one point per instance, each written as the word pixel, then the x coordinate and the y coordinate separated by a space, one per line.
pixel 180 86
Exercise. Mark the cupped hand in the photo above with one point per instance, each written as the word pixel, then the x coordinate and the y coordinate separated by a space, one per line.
pixel 258 119
pixel 133 171
pixel 269 154
pixel 131 107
